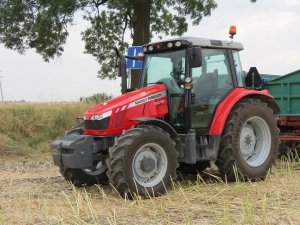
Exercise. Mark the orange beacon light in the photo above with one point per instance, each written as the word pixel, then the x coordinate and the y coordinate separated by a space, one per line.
pixel 232 31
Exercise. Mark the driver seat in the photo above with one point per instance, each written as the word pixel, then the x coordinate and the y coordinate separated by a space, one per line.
pixel 205 86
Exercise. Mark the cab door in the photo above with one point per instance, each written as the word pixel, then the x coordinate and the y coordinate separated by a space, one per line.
pixel 211 83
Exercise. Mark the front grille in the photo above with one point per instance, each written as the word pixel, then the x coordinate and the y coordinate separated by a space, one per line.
pixel 96 124
pixel 119 119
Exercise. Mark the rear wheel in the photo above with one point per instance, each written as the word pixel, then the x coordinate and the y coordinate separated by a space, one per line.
pixel 249 141
pixel 142 162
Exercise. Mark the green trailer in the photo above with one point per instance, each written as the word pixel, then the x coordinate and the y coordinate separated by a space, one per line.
pixel 286 91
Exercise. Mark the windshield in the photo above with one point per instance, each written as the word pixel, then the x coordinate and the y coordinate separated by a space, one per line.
pixel 167 68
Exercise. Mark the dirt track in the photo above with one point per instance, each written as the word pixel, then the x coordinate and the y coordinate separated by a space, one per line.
pixel 23 185
pixel 33 192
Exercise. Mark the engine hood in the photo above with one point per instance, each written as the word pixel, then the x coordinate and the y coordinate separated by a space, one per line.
pixel 124 100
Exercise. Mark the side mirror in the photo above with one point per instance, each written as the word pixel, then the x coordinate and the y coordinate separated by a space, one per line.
pixel 121 67
pixel 195 58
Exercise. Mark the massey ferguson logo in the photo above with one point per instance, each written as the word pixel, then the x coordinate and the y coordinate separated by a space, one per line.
pixel 141 101
pixel 147 99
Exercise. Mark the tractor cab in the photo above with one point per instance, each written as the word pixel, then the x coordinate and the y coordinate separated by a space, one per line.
pixel 198 74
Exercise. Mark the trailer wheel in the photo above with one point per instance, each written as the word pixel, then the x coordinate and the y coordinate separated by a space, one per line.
pixel 89 177
pixel 143 161
pixel 289 150
pixel 249 141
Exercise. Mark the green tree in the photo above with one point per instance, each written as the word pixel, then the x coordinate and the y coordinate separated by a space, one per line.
pixel 43 24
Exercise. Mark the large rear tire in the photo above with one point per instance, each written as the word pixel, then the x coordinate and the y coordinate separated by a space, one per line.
pixel 143 161
pixel 249 141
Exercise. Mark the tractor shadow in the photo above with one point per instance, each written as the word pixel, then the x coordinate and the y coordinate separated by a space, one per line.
pixel 208 176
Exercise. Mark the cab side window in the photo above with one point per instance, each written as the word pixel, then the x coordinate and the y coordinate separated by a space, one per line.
pixel 211 82
pixel 238 69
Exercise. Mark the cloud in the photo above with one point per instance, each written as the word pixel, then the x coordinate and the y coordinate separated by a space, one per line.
pixel 267 29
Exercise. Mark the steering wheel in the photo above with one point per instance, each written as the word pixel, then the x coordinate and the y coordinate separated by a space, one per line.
pixel 177 76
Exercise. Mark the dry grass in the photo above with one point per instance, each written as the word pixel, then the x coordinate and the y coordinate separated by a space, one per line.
pixel 29 128
pixel 33 192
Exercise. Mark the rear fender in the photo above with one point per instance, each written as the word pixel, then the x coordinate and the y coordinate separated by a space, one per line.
pixel 232 99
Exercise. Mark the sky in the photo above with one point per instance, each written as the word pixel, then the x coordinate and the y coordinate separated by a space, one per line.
pixel 269 31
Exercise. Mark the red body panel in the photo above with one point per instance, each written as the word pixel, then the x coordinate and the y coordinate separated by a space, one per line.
pixel 289 121
pixel 227 104
pixel 293 136
pixel 146 102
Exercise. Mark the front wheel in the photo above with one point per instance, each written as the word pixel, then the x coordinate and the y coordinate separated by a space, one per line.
pixel 249 141
pixel 88 177
pixel 143 162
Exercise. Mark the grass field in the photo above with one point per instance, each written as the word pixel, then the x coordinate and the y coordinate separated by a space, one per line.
pixel 33 192
pixel 26 129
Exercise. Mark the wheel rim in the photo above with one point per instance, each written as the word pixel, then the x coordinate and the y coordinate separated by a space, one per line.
pixel 255 141
pixel 97 170
pixel 149 165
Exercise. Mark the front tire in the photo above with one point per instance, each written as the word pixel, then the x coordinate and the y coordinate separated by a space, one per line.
pixel 249 141
pixel 143 161
pixel 88 177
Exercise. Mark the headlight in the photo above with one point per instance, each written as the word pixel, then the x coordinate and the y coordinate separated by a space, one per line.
pixel 97 117
pixel 98 121
pixel 101 116
pixel 150 48
pixel 170 45
pixel 178 43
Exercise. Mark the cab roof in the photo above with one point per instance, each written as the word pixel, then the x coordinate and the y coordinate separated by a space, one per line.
pixel 203 42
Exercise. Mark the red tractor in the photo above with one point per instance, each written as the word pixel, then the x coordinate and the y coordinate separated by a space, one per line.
pixel 192 107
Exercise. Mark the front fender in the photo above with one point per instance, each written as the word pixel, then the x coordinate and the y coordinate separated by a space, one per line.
pixel 160 123
pixel 165 126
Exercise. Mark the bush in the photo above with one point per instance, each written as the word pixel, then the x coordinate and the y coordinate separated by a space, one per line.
pixel 96 98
